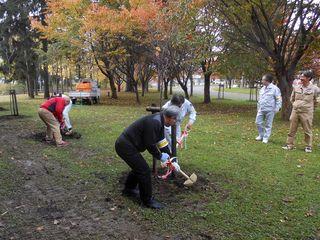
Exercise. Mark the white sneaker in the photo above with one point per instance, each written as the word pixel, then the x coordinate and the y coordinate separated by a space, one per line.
pixel 258 138
pixel 308 149
pixel 265 140
pixel 287 147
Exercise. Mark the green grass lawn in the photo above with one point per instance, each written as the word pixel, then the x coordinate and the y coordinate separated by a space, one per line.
pixel 250 190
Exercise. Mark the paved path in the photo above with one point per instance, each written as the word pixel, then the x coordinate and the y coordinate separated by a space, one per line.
pixel 198 91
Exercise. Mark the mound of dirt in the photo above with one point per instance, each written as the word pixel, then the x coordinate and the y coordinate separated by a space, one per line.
pixel 41 135
pixel 172 190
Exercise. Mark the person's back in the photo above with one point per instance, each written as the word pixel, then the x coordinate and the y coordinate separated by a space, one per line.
pixel 145 131
pixel 56 106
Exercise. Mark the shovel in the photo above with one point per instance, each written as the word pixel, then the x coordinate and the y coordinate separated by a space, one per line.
pixel 190 180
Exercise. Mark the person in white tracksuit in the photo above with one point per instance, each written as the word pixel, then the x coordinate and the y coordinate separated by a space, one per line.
pixel 269 103
pixel 186 107
pixel 65 114
pixel 66 117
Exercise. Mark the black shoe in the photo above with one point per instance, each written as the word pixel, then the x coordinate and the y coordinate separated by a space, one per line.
pixel 131 193
pixel 153 204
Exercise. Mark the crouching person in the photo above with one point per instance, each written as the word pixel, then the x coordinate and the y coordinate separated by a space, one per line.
pixel 147 133
pixel 50 113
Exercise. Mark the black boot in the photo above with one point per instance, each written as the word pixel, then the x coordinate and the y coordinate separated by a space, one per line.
pixel 131 192
pixel 152 203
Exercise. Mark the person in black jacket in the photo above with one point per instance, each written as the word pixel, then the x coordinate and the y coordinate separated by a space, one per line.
pixel 147 133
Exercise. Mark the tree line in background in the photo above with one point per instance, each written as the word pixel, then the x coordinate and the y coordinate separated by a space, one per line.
pixel 134 41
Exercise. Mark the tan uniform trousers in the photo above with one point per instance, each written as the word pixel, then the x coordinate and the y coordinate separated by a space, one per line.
pixel 53 126
pixel 306 121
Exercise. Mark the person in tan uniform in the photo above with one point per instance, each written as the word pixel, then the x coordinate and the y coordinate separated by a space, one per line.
pixel 303 99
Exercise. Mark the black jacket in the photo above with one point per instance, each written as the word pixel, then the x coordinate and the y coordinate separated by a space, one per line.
pixel 147 133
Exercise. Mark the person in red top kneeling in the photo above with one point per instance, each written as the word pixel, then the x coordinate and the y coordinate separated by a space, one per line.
pixel 50 113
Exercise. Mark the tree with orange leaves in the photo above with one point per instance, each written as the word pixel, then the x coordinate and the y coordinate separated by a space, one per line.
pixel 108 29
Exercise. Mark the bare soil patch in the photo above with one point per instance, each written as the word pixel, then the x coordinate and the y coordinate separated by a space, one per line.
pixel 45 201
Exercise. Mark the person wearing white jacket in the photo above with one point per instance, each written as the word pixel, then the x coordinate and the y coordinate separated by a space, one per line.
pixel 269 103
pixel 186 108
pixel 65 114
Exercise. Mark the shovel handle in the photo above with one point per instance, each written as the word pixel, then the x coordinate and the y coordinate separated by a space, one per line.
pixel 185 175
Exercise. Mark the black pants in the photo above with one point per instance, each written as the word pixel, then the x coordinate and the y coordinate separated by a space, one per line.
pixel 140 174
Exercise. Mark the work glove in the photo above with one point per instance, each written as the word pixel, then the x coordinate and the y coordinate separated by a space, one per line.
pixel 164 157
pixel 176 167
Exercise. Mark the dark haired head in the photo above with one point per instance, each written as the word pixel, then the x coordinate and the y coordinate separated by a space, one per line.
pixel 268 77
pixel 307 73
pixel 177 100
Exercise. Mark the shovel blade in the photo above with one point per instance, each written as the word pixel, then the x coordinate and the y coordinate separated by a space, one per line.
pixel 188 183
pixel 193 177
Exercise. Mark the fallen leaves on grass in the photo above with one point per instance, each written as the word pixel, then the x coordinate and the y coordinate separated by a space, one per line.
pixel 284 219
pixel 56 222
pixel 310 213
pixel 113 208
pixel 40 228
pixel 288 199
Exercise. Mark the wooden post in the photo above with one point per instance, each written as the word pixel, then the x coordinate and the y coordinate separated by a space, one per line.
pixel 13 103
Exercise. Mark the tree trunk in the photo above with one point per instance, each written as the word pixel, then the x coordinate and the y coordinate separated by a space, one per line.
pixel 165 91
pixel 207 98
pixel 285 85
pixel 159 83
pixel 207 75
pixel 129 87
pixel 30 86
pixel 137 93
pixel 29 80
pixel 171 86
pixel 36 84
pixel 112 86
pixel 62 79
pixel 45 70
pixel 78 71
pixel 229 82
pixel 143 88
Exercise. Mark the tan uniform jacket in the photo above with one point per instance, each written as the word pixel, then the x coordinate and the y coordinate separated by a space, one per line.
pixel 303 99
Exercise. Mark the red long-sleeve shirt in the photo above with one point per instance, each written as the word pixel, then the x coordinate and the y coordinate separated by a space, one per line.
pixel 56 106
